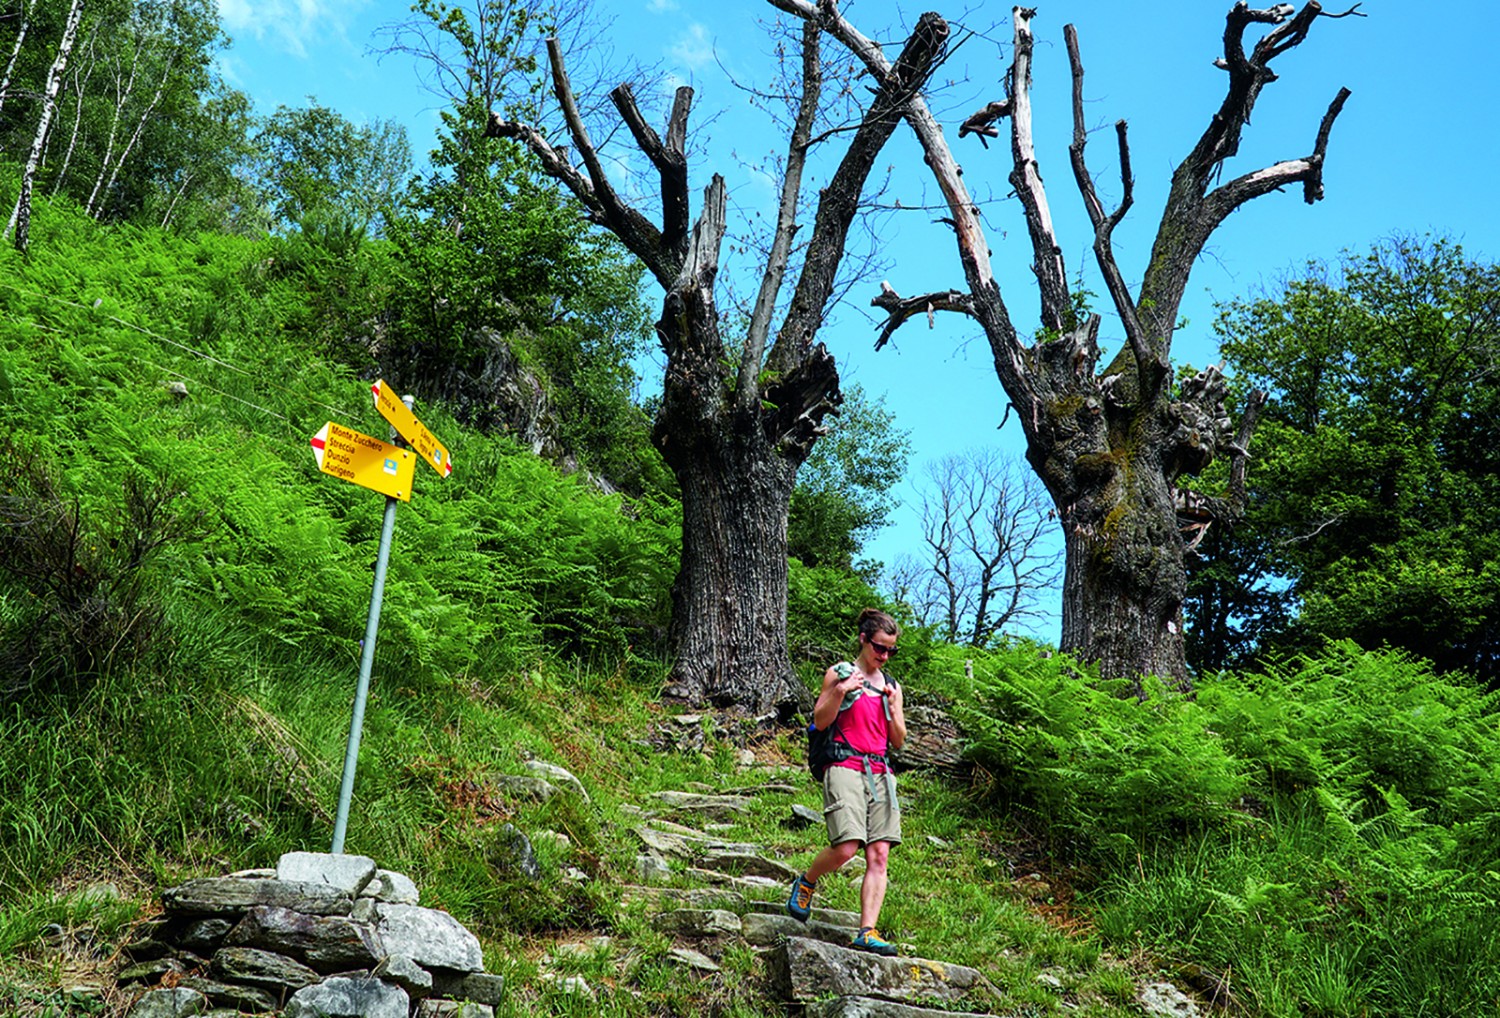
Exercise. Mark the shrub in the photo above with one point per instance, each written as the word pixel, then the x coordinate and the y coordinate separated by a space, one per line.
pixel 822 606
pixel 88 605
pixel 1099 774
pixel 1363 724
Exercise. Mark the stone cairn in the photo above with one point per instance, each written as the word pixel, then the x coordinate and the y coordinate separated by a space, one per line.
pixel 320 936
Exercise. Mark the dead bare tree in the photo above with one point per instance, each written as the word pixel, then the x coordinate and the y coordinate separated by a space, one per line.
pixel 984 521
pixel 1110 444
pixel 736 419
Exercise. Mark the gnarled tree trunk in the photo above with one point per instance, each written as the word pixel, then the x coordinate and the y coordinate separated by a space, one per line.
pixel 1111 445
pixel 735 427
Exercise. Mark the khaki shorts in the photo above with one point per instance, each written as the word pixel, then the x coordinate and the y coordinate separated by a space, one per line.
pixel 850 812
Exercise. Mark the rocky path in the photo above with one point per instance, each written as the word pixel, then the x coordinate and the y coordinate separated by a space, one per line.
pixel 324 936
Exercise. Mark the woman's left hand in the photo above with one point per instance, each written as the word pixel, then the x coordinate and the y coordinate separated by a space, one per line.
pixel 894 694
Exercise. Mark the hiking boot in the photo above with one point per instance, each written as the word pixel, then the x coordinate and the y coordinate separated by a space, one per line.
pixel 799 902
pixel 869 939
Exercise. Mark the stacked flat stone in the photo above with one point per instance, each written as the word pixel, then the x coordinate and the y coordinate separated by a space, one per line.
pixel 320 936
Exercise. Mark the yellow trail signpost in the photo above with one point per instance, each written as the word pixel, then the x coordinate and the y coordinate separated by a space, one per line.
pixel 411 429
pixel 388 469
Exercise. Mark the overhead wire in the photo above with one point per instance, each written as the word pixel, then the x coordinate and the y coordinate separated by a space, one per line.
pixel 181 346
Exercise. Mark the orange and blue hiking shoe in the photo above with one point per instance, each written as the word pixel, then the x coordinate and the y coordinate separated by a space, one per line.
pixel 799 902
pixel 869 939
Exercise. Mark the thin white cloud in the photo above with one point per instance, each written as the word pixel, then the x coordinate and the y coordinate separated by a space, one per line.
pixel 623 174
pixel 231 68
pixel 288 23
pixel 768 184
pixel 662 6
pixel 694 48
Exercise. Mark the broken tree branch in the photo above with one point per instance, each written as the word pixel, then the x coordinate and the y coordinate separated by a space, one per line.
pixel 901 309
pixel 630 226
pixel 899 88
pixel 973 248
pixel 670 159
pixel 1307 171
pixel 1239 452
pixel 786 217
pixel 554 161
pixel 1192 213
pixel 1026 178
pixel 981 122
pixel 1150 362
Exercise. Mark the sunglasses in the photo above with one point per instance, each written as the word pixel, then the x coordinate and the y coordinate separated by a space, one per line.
pixel 883 649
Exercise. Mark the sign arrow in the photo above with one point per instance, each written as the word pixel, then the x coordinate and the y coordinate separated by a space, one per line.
pixel 319 443
pixel 435 453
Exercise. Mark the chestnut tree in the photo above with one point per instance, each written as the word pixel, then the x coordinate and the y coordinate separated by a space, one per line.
pixel 741 410
pixel 1110 442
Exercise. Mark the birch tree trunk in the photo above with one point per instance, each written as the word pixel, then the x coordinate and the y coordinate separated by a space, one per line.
pixel 135 135
pixel 80 88
pixel 10 65
pixel 124 88
pixel 20 217
pixel 166 218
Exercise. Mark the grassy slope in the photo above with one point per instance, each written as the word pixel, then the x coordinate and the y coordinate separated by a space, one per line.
pixel 1319 838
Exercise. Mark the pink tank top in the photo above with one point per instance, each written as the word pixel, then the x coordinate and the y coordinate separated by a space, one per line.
pixel 863 726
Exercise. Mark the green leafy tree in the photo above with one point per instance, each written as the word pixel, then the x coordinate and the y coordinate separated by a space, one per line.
pixel 505 303
pixel 1379 481
pixel 142 127
pixel 315 163
pixel 1236 599
pixel 843 493
pixel 21 20
pixel 207 186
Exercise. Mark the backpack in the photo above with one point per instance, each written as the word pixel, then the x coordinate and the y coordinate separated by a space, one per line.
pixel 824 747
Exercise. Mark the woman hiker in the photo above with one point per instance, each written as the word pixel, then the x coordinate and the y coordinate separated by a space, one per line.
pixel 859 792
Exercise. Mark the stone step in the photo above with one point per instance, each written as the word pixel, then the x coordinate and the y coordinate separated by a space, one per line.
pixel 804 970
pixel 763 929
pixel 869 1007
pixel 769 788
pixel 747 864
pixel 761 886
pixel 718 807
pixel 670 827
pixel 685 897
pixel 670 842
pixel 830 916
pixel 698 923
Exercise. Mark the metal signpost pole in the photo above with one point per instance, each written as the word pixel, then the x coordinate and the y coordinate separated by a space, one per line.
pixel 361 692
pixel 379 466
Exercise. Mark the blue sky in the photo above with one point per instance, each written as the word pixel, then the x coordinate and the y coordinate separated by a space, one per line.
pixel 1414 151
